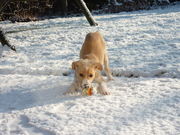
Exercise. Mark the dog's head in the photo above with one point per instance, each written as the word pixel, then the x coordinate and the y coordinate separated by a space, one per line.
pixel 85 72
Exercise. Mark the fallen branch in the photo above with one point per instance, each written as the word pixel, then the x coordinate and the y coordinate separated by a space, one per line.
pixel 86 12
pixel 5 42
pixel 5 5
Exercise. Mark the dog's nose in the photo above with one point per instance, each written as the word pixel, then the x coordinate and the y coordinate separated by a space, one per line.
pixel 86 86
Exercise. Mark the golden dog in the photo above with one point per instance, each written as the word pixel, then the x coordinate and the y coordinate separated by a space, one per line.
pixel 93 55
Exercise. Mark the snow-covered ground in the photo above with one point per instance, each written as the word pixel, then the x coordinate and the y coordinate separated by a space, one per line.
pixel 144 56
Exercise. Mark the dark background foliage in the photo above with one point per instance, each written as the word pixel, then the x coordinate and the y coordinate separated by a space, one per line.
pixel 32 10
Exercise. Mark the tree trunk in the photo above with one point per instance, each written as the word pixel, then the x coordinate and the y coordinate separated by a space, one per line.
pixel 64 5
pixel 86 12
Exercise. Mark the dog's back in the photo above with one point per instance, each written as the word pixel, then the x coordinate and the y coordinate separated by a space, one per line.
pixel 94 47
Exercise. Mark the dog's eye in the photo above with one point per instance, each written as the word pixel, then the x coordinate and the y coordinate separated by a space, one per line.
pixel 81 75
pixel 90 75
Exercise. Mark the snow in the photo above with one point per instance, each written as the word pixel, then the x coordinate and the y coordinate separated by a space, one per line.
pixel 144 56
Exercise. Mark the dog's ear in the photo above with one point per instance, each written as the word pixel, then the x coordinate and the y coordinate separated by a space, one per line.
pixel 98 66
pixel 75 65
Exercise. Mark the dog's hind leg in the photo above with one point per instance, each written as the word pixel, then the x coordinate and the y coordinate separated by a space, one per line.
pixel 106 68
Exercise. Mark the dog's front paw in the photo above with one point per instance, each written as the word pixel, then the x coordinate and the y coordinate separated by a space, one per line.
pixel 66 93
pixel 102 89
pixel 105 93
pixel 110 79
